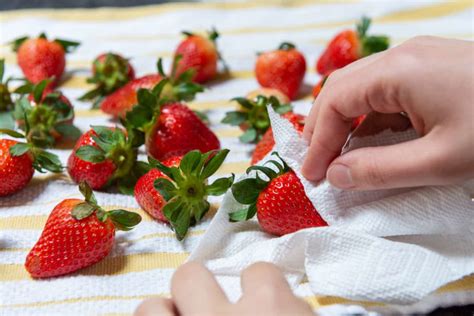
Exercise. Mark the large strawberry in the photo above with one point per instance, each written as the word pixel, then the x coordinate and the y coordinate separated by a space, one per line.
pixel 19 160
pixel 199 54
pixel 170 128
pixel 6 102
pixel 266 144
pixel 281 69
pixel 40 58
pixel 103 156
pixel 349 46
pixel 280 202
pixel 77 234
pixel 176 190
pixel 109 72
pixel 49 114
pixel 177 88
pixel 253 117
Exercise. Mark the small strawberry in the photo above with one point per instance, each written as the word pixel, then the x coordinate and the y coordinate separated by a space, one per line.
pixel 253 119
pixel 199 54
pixel 280 202
pixel 103 156
pixel 176 190
pixel 77 234
pixel 266 144
pixel 19 160
pixel 349 46
pixel 6 102
pixel 109 72
pixel 49 114
pixel 40 58
pixel 170 128
pixel 268 92
pixel 177 88
pixel 281 69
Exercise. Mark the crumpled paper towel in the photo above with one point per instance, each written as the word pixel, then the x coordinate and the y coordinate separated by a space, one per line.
pixel 391 246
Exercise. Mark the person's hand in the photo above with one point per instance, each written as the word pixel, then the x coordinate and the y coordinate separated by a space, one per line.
pixel 432 81
pixel 195 291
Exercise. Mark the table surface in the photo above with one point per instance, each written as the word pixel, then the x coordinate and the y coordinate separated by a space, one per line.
pixel 144 259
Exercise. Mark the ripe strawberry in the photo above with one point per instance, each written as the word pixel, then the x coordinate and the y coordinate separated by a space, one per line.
pixel 349 46
pixel 109 72
pixel 281 69
pixel 40 58
pixel 49 113
pixel 266 144
pixel 18 162
pixel 253 119
pixel 199 54
pixel 280 203
pixel 77 234
pixel 169 128
pixel 176 190
pixel 177 88
pixel 103 156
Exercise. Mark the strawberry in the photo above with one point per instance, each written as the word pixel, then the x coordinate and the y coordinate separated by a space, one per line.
pixel 253 119
pixel 281 69
pixel 268 92
pixel 349 46
pixel 103 156
pixel 266 144
pixel 280 202
pixel 177 88
pixel 169 128
pixel 77 234
pixel 49 113
pixel 19 160
pixel 176 190
pixel 40 58
pixel 199 54
pixel 109 72
pixel 357 121
pixel 6 102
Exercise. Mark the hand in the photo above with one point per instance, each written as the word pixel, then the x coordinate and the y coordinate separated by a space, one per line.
pixel 432 80
pixel 195 291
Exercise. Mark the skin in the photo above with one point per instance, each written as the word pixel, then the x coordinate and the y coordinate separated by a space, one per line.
pixel 431 79
pixel 264 292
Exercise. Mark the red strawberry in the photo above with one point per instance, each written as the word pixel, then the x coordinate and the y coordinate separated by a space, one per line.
pixel 18 162
pixel 109 72
pixel 199 54
pixel 253 117
pixel 124 99
pixel 40 58
pixel 280 203
pixel 89 232
pixel 266 144
pixel 281 69
pixel 349 46
pixel 357 121
pixel 176 190
pixel 103 156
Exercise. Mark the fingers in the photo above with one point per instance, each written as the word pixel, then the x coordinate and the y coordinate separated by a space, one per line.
pixel 196 292
pixel 413 163
pixel 357 90
pixel 156 306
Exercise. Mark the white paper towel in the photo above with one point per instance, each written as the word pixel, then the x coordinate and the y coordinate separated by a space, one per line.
pixel 391 246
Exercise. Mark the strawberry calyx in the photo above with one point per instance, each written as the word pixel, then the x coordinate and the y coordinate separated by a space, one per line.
pixel 48 116
pixel 122 219
pixel 67 45
pixel 110 72
pixel 42 160
pixel 186 190
pixel 370 44
pixel 286 46
pixel 6 102
pixel 247 191
pixel 253 118
pixel 120 147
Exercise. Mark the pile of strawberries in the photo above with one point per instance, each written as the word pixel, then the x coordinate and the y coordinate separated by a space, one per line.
pixel 151 112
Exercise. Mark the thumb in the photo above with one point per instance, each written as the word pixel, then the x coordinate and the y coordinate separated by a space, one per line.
pixel 414 163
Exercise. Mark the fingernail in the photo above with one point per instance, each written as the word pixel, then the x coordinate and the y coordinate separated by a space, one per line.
pixel 340 176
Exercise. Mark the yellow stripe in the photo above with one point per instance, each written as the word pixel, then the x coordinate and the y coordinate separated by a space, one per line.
pixel 109 266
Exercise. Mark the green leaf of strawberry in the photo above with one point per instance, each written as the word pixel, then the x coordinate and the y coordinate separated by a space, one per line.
pixel 83 210
pixel 124 220
pixel 90 153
